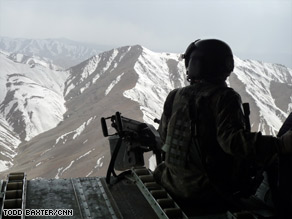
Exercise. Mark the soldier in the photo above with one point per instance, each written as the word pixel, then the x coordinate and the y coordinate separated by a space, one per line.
pixel 211 156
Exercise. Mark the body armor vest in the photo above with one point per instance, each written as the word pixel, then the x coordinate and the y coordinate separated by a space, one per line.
pixel 179 131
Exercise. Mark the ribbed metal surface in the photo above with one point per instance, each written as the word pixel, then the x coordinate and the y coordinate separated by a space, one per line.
pixel 154 194
pixel 14 194
pixel 86 196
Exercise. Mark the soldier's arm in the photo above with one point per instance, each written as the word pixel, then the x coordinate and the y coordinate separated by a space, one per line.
pixel 234 138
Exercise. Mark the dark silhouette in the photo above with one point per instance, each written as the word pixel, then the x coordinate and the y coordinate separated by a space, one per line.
pixel 211 156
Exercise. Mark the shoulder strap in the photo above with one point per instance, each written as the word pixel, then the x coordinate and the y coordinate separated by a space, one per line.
pixel 169 103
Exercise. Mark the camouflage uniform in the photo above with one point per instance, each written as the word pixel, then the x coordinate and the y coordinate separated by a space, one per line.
pixel 226 149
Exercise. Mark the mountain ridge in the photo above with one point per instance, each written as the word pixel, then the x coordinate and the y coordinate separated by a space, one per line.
pixel 63 52
pixel 134 81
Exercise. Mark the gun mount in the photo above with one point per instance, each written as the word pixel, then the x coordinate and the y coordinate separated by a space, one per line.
pixel 129 143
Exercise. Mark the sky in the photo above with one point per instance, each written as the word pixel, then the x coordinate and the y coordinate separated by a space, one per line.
pixel 254 29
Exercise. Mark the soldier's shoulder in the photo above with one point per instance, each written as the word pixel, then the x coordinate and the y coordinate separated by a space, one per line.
pixel 172 93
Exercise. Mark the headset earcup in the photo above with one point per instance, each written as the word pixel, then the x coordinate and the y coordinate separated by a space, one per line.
pixel 195 68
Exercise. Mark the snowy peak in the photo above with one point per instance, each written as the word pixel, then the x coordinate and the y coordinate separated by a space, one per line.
pixel 88 72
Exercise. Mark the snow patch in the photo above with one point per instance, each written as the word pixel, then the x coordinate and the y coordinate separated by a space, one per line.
pixel 110 87
pixel 63 138
pixel 87 153
pixel 99 162
pixel 5 165
pixel 62 170
pixel 110 60
pixel 58 173
pixel 90 67
pixel 68 167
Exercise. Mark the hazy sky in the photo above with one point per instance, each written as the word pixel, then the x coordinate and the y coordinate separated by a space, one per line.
pixel 255 29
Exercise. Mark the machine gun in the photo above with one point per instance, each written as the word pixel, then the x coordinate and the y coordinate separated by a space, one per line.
pixel 128 145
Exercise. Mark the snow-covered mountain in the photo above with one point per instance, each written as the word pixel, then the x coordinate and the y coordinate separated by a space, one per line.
pixel 63 52
pixel 33 61
pixel 268 89
pixel 132 80
pixel 31 101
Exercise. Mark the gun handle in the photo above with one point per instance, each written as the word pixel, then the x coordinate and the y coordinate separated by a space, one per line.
pixel 104 127
pixel 119 122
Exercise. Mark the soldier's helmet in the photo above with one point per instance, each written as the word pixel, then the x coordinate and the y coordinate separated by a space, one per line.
pixel 209 59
